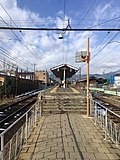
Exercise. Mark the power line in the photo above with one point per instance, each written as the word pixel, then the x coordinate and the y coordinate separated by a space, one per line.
pixel 17 26
pixel 105 22
pixel 87 11
pixel 105 45
pixel 60 29
pixel 106 55
pixel 15 52
pixel 6 53
pixel 19 39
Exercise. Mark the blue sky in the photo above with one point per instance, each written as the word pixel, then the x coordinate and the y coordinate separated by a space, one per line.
pixel 45 49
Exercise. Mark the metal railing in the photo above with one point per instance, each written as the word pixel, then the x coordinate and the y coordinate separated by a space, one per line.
pixel 10 149
pixel 107 119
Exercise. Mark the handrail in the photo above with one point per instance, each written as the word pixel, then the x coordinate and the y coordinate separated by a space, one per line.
pixel 18 118
pixel 107 109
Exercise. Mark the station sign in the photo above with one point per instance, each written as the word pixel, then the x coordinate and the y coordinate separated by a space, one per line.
pixel 81 56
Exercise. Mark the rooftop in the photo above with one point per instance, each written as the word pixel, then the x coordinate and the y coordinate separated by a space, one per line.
pixel 58 71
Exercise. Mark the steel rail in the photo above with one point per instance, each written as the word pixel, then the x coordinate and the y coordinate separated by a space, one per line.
pixel 11 116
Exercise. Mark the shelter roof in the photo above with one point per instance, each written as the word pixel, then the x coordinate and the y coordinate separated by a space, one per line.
pixel 58 71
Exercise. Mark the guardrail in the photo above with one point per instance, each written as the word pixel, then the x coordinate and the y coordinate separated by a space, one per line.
pixel 106 119
pixel 9 150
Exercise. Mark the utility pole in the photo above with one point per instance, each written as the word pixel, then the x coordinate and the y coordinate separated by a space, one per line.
pixel 84 56
pixel 34 70
pixel 88 96
pixel 79 78
pixel 16 75
pixel 4 65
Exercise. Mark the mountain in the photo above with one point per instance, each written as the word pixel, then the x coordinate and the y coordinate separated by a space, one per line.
pixel 76 76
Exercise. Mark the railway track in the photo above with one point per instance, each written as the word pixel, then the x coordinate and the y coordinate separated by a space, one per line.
pixel 110 102
pixel 10 113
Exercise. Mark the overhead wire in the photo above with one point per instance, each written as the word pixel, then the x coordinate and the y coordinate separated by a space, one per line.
pixel 106 55
pixel 7 54
pixel 20 30
pixel 64 13
pixel 106 43
pixel 105 22
pixel 85 15
pixel 20 39
pixel 28 63
pixel 5 62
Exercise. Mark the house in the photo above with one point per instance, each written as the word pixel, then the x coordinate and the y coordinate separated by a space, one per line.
pixel 93 82
pixel 42 76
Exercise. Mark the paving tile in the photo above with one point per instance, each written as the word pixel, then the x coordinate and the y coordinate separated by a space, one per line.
pixel 101 156
pixel 30 149
pixel 113 156
pixel 38 155
pixel 60 155
pixel 56 148
pixel 103 150
pixel 74 155
pixel 56 142
pixel 50 155
pixel 89 156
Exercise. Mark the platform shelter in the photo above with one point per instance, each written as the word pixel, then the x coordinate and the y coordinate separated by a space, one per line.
pixel 63 72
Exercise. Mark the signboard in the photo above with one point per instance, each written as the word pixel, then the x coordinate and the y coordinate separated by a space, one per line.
pixel 81 56
pixel 77 57
pixel 112 79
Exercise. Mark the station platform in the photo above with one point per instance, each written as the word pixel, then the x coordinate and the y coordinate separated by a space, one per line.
pixel 63 90
pixel 68 136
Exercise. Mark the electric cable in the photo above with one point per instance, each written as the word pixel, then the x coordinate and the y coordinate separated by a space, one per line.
pixel 104 22
pixel 106 55
pixel 20 30
pixel 5 52
pixel 20 40
pixel 15 52
pixel 87 12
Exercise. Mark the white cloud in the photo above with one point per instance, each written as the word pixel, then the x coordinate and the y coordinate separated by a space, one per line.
pixel 48 47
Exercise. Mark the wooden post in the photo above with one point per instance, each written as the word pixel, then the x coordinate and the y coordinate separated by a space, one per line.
pixel 88 98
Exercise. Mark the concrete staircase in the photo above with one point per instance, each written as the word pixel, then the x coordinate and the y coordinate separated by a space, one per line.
pixel 61 102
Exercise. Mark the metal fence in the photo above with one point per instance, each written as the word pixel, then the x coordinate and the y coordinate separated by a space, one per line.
pixel 11 144
pixel 107 119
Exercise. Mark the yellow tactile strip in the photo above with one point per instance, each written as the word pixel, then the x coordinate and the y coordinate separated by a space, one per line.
pixel 74 90
pixel 54 90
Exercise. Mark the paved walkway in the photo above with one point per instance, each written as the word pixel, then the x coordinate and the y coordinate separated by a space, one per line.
pixel 68 137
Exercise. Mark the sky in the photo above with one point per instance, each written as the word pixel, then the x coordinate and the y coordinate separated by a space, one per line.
pixel 44 49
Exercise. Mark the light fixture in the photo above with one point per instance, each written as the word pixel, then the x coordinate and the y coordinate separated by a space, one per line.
pixel 60 36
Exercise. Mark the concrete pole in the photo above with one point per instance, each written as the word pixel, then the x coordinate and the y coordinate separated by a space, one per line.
pixel 88 98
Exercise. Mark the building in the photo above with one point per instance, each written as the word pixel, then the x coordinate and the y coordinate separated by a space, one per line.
pixel 26 75
pixel 117 81
pixel 93 82
pixel 42 76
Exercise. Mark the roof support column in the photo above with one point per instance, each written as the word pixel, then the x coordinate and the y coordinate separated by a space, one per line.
pixel 64 78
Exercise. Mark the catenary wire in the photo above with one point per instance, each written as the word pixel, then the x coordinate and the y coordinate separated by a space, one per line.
pixel 20 30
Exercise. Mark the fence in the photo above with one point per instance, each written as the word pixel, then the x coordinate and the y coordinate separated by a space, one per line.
pixel 107 119
pixel 12 142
